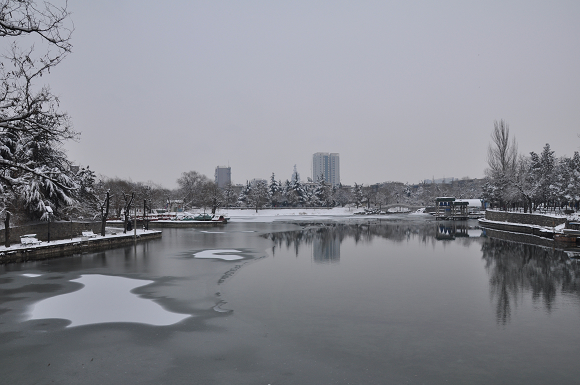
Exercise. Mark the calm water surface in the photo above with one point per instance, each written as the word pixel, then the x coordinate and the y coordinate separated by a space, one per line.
pixel 399 301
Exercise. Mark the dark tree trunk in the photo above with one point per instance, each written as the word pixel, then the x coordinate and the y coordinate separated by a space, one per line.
pixel 127 209
pixel 7 230
pixel 145 221
pixel 104 214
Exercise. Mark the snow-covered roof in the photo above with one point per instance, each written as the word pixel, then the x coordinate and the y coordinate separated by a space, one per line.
pixel 471 202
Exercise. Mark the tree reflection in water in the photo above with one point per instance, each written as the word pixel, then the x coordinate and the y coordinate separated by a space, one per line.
pixel 514 269
pixel 326 239
pixel 517 268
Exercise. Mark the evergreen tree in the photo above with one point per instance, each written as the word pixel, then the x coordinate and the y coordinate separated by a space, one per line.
pixel 258 195
pixel 243 197
pixel 275 191
pixel 358 194
pixel 322 195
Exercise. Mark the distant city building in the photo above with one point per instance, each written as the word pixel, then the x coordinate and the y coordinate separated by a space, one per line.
pixel 223 176
pixel 326 165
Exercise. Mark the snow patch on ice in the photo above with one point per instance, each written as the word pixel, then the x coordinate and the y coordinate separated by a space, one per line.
pixel 225 254
pixel 105 299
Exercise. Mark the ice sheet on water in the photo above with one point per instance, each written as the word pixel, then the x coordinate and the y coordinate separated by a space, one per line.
pixel 105 299
pixel 225 254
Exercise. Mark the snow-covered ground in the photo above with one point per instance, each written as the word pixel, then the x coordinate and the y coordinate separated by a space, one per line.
pixel 296 214
pixel 271 215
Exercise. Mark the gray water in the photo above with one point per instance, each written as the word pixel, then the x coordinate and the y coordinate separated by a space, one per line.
pixel 370 302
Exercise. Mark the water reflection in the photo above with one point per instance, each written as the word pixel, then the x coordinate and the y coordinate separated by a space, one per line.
pixel 326 240
pixel 515 269
pixel 326 248
pixel 452 230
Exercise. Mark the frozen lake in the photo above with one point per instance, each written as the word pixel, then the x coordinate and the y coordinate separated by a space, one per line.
pixel 404 300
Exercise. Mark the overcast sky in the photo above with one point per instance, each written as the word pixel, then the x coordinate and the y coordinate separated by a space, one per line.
pixel 402 90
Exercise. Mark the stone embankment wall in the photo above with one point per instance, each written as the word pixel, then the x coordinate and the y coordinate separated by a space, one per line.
pixel 528 219
pixel 520 238
pixel 58 230
pixel 58 250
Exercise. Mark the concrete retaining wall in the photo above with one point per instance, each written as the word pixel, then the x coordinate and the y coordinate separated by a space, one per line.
pixel 521 238
pixel 58 230
pixel 65 249
pixel 529 219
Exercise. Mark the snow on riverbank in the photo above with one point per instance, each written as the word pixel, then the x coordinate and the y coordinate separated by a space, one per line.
pixel 42 244
pixel 291 214
pixel 270 215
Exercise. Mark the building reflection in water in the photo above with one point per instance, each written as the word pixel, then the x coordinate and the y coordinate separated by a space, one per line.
pixel 325 240
pixel 452 230
pixel 515 269
pixel 326 248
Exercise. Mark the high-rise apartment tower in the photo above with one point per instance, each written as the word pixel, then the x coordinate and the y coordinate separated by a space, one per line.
pixel 223 176
pixel 326 165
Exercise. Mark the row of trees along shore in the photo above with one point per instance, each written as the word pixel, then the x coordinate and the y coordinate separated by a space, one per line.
pixel 199 191
pixel 538 181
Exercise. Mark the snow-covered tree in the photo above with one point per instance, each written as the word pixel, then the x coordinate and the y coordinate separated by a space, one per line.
pixel 211 196
pixel 275 191
pixel 342 195
pixel 258 195
pixel 571 187
pixel 322 194
pixel 33 168
pixel 357 193
pixel 243 197
pixel 502 156
pixel 228 194
pixel 86 203
pixel 547 176
pixel 300 193
pixel 192 185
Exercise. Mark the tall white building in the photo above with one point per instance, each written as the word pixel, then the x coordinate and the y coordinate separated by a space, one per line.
pixel 326 165
pixel 223 176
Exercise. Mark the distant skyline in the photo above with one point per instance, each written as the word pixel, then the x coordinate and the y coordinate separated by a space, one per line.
pixel 409 88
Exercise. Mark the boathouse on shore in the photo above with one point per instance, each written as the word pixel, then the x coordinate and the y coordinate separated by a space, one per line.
pixel 447 208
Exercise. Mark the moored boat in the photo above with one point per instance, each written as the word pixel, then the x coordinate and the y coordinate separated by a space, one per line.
pixel 565 238
pixel 202 217
pixel 220 218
